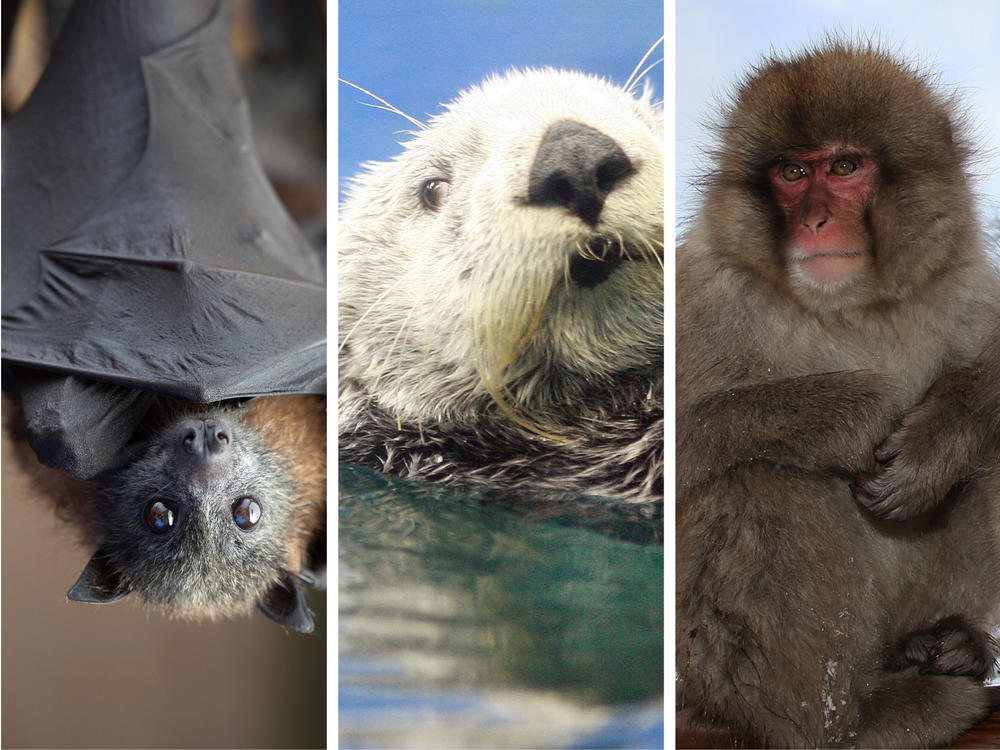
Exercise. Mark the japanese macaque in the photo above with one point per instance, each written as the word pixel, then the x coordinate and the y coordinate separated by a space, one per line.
pixel 835 271
pixel 221 508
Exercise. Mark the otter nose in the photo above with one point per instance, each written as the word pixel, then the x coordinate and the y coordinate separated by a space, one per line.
pixel 576 167
pixel 205 438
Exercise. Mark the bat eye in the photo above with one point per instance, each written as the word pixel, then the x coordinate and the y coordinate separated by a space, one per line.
pixel 159 515
pixel 246 513
pixel 434 192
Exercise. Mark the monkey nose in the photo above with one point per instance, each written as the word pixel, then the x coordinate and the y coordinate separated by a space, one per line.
pixel 205 438
pixel 576 167
pixel 815 222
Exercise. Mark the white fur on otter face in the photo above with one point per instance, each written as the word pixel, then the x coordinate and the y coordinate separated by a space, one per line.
pixel 440 308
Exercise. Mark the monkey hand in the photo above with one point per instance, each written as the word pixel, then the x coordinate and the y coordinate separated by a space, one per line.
pixel 933 448
pixel 951 646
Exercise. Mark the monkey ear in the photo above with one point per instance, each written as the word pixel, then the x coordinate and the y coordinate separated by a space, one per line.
pixel 99 583
pixel 285 603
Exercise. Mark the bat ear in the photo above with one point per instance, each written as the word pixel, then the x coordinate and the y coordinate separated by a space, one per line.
pixel 314 570
pixel 285 603
pixel 99 583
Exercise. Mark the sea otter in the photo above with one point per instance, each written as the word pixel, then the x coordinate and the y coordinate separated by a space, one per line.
pixel 501 293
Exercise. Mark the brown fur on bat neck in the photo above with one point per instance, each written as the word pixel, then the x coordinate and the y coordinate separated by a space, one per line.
pixel 273 468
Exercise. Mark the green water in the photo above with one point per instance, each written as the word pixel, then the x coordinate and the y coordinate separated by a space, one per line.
pixel 467 623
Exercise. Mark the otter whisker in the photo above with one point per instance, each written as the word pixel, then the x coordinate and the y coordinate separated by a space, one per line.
pixel 386 105
pixel 636 76
pixel 373 305
pixel 647 69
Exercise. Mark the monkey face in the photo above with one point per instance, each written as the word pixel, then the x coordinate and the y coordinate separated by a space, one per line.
pixel 823 194
pixel 198 524
pixel 865 152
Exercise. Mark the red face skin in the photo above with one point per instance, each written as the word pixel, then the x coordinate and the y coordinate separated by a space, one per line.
pixel 823 194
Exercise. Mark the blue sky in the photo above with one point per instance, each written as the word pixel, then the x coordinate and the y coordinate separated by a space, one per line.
pixel 715 39
pixel 419 55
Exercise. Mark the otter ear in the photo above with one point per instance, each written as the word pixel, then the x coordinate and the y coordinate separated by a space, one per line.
pixel 285 603
pixel 99 583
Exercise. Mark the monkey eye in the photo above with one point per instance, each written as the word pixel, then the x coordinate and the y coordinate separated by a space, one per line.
pixel 246 513
pixel 434 192
pixel 792 172
pixel 159 515
pixel 842 167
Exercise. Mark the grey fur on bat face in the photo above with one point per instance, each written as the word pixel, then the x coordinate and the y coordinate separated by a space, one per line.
pixel 200 525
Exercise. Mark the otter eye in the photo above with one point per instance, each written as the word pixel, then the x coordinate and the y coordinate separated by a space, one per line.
pixel 246 513
pixel 792 172
pixel 433 193
pixel 159 515
pixel 842 167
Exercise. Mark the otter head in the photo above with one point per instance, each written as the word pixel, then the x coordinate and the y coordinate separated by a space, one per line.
pixel 511 255
pixel 198 526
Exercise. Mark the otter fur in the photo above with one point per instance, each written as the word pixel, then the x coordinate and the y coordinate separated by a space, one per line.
pixel 501 293
pixel 219 507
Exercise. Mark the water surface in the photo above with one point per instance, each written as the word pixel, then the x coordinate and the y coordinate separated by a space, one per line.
pixel 475 621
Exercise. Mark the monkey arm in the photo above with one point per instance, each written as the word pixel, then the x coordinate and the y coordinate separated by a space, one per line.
pixel 827 422
pixel 943 440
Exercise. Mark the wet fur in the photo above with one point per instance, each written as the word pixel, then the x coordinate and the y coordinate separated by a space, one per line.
pixel 467 353
pixel 795 602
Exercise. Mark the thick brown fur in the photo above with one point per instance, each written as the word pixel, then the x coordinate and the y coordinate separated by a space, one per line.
pixel 951 437
pixel 292 429
pixel 803 619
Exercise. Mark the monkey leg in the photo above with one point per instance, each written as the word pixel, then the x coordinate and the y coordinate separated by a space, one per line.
pixel 909 709
pixel 786 594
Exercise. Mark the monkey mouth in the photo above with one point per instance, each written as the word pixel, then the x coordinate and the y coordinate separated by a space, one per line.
pixel 597 260
pixel 827 268
pixel 802 255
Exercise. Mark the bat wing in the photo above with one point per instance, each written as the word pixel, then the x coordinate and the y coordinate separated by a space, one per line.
pixel 186 277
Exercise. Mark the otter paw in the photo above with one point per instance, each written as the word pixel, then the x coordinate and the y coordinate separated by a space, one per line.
pixel 949 647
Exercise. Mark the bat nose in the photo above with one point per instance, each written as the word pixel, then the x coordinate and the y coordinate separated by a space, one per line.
pixel 576 167
pixel 205 438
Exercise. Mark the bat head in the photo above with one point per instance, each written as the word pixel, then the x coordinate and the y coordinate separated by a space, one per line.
pixel 199 525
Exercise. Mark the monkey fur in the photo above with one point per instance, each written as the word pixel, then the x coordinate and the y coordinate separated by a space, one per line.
pixel 836 270
pixel 220 507
pixel 951 437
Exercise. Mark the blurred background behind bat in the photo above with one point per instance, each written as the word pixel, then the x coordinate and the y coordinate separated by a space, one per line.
pixel 70 661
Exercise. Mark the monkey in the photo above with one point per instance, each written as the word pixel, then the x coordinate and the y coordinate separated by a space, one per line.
pixel 501 294
pixel 835 270
pixel 217 508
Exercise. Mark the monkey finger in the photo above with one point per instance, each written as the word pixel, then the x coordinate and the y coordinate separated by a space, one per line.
pixel 880 501
pixel 861 495
pixel 868 485
pixel 889 448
